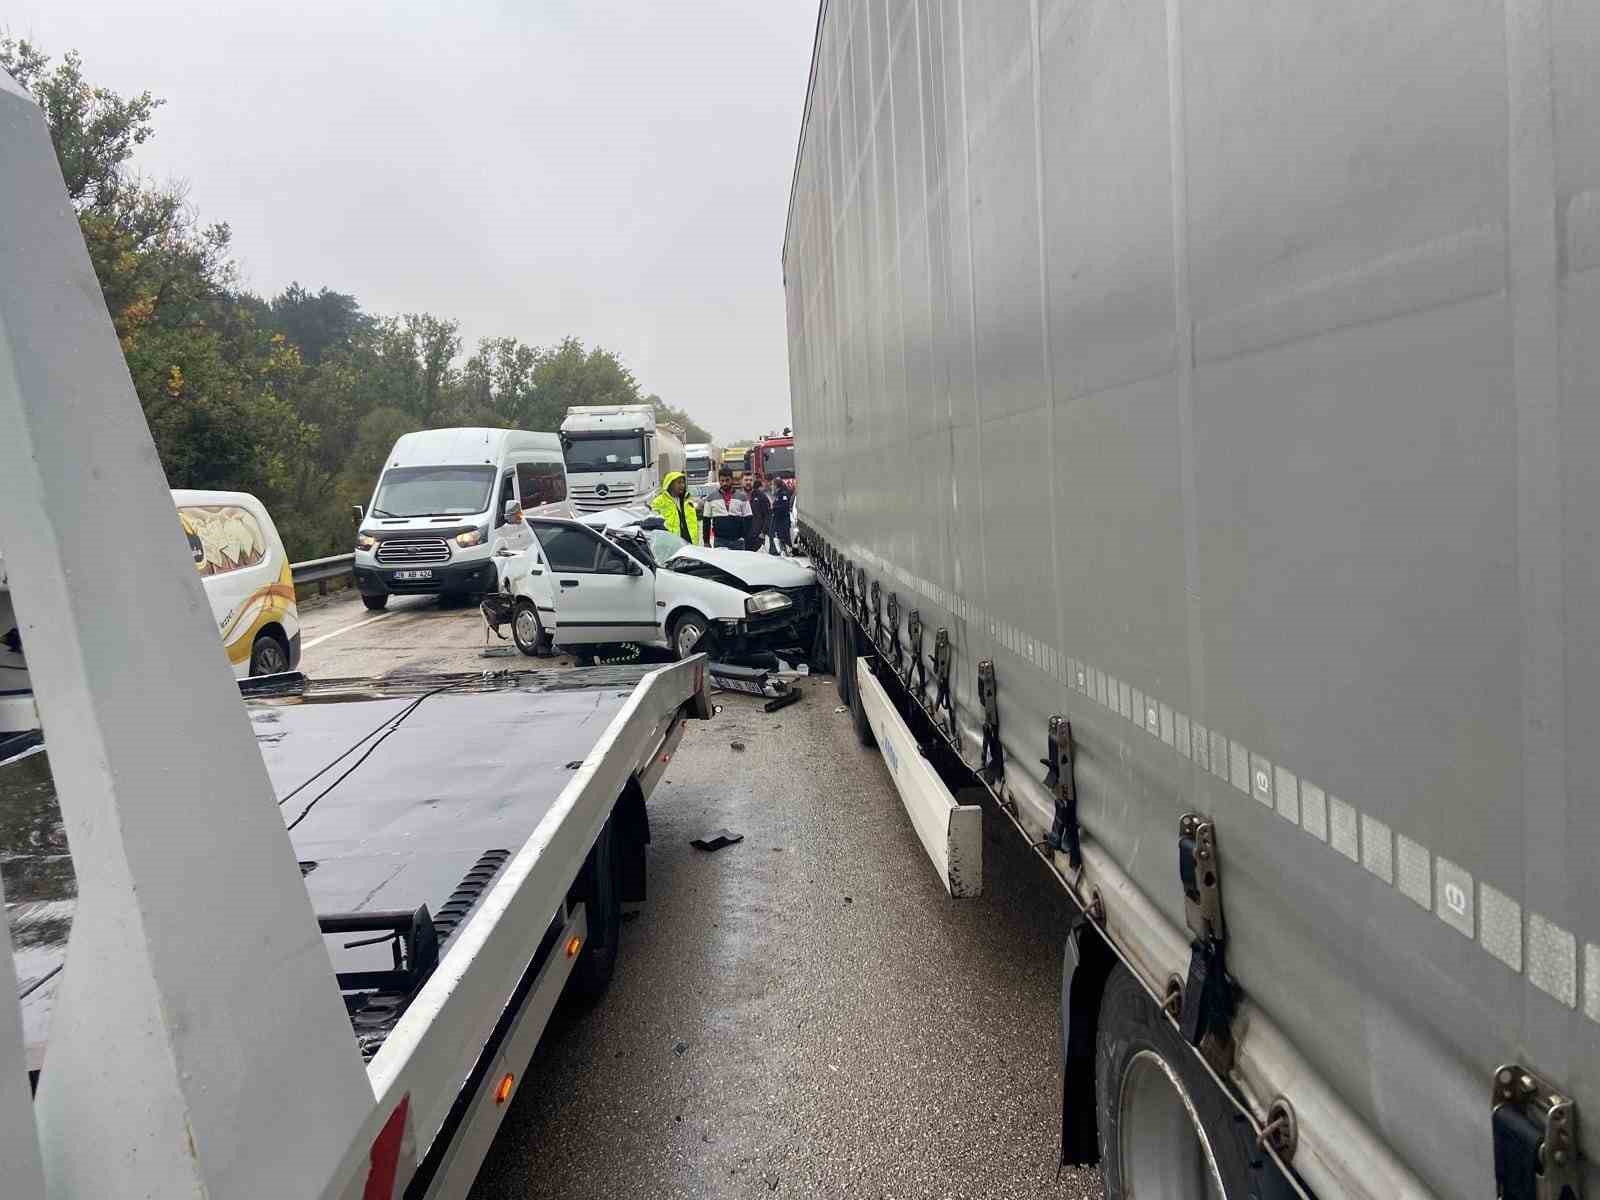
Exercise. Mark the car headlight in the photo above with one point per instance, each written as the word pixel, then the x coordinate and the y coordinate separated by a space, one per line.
pixel 472 537
pixel 766 602
pixel 366 542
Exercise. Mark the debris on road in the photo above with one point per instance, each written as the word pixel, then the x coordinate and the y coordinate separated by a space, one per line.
pixel 679 1048
pixel 788 697
pixel 717 840
pixel 736 746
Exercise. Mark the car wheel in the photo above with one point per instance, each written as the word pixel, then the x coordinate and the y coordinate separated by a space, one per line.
pixel 376 603
pixel 527 630
pixel 1164 1129
pixel 268 656
pixel 688 631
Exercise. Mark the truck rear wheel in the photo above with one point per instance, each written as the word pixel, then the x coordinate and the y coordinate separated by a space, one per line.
pixel 599 886
pixel 1165 1131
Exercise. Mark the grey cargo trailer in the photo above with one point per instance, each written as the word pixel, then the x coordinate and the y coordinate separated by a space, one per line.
pixel 1226 376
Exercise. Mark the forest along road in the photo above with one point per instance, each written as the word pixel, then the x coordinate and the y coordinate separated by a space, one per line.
pixel 340 638
pixel 805 1013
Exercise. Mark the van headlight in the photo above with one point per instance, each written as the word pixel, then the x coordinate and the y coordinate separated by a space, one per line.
pixel 472 537
pixel 766 602
pixel 366 542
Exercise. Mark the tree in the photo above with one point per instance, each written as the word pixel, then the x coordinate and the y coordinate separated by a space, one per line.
pixel 94 129
pixel 692 430
pixel 566 375
pixel 297 398
pixel 315 322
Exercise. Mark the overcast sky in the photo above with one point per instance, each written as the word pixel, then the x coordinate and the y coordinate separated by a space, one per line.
pixel 614 169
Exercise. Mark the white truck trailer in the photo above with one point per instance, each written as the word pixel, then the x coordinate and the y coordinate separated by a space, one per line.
pixel 1242 355
pixel 298 946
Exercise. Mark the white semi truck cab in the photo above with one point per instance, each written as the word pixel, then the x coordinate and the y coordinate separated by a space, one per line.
pixel 616 454
pixel 701 461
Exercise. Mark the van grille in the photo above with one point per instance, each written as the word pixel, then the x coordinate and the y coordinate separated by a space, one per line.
pixel 402 551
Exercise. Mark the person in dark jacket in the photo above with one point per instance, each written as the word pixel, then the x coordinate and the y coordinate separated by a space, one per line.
pixel 782 508
pixel 760 514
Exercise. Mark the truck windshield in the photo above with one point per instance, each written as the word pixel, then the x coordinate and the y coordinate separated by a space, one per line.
pixel 605 453
pixel 780 460
pixel 433 491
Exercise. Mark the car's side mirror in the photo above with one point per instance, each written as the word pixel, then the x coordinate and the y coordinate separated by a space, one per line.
pixel 513 513
pixel 360 513
pixel 634 568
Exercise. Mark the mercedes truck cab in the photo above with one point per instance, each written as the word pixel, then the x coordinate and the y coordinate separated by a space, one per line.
pixel 446 501
pixel 616 454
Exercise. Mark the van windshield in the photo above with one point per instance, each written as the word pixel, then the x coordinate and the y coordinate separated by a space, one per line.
pixel 433 491
pixel 605 453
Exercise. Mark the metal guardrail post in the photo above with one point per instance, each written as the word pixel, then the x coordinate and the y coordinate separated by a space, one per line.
pixel 321 571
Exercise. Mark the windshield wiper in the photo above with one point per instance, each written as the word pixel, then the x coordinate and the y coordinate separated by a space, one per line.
pixel 383 512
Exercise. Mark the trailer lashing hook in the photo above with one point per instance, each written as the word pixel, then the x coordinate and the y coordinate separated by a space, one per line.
pixel 917 667
pixel 992 756
pixel 893 631
pixel 1060 778
pixel 942 655
pixel 877 616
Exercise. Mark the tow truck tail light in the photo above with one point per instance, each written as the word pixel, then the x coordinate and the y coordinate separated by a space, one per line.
pixel 385 1156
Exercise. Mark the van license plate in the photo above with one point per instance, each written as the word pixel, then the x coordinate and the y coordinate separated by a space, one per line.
pixel 413 574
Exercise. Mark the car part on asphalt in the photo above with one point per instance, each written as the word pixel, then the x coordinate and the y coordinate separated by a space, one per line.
pixel 716 840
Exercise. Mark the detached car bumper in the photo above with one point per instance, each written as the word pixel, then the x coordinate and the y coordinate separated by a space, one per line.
pixel 451 578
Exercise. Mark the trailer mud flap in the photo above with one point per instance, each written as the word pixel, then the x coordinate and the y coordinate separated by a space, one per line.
pixel 951 832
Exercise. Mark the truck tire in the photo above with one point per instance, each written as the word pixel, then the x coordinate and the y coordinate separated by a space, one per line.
pixel 528 631
pixel 1165 1130
pixel 599 886
pixel 376 603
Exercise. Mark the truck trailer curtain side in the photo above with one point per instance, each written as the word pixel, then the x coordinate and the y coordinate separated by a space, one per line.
pixel 1236 358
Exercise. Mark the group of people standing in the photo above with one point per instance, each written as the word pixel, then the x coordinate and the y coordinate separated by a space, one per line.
pixel 734 517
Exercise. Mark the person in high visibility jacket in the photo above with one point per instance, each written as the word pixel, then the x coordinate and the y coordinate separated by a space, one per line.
pixel 672 505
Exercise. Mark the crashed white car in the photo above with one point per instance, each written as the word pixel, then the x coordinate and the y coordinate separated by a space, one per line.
pixel 587 585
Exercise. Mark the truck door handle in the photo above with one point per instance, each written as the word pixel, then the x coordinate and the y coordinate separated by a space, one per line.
pixel 569 583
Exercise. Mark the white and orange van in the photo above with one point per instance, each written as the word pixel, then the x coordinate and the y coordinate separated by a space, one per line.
pixel 245 570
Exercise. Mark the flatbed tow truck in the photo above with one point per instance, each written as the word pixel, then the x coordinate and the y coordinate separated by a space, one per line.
pixel 298 945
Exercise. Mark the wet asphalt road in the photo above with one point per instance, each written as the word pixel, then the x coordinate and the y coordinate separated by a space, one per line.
pixel 806 1013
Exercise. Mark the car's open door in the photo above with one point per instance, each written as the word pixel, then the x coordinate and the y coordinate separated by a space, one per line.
pixel 601 594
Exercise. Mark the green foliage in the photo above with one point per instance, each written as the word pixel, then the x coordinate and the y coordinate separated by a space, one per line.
pixel 296 398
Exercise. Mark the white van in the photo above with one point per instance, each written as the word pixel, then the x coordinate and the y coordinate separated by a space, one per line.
pixel 439 511
pixel 246 574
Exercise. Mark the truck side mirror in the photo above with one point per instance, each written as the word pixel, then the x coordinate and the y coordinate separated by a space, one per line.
pixel 360 513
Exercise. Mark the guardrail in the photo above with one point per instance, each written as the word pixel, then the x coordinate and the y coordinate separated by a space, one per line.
pixel 322 571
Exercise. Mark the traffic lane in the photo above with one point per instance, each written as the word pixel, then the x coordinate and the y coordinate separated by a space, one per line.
pixel 807 1012
pixel 340 638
